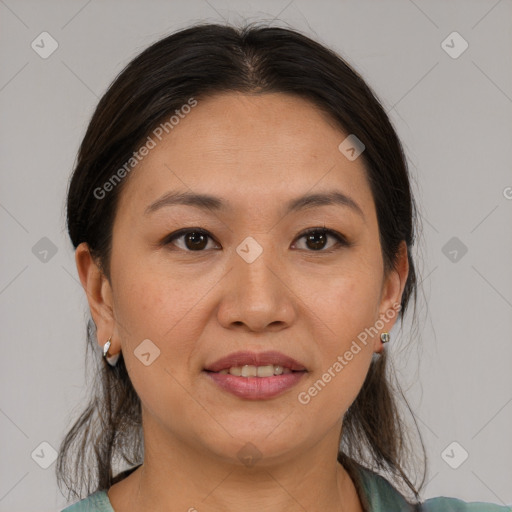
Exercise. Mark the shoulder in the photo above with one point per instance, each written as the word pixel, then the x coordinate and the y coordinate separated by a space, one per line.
pixel 96 502
pixel 455 505
pixel 382 496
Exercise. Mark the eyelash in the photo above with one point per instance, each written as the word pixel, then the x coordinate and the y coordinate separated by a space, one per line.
pixel 341 240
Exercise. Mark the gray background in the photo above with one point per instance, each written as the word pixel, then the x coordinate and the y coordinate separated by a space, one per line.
pixel 454 117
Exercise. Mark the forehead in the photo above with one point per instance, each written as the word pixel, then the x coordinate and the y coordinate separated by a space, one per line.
pixel 256 148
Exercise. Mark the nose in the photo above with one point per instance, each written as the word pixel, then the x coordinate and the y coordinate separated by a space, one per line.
pixel 257 296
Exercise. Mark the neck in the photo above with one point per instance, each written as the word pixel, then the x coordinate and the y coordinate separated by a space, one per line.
pixel 189 479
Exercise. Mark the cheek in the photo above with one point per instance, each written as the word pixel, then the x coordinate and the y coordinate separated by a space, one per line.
pixel 147 306
pixel 151 298
pixel 347 303
pixel 343 365
pixel 347 307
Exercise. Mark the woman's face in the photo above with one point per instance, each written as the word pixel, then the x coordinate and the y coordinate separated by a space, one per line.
pixel 253 282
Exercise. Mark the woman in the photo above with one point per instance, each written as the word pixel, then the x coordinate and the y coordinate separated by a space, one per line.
pixel 243 221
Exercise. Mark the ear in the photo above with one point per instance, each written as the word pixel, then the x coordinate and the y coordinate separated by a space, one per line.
pixel 99 295
pixel 391 295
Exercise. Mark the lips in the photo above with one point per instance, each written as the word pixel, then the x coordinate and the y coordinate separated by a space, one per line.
pixel 240 359
pixel 255 376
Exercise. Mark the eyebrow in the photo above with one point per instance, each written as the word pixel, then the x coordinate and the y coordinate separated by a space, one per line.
pixel 209 202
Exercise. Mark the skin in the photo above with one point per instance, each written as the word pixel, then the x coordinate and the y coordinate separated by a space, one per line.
pixel 255 152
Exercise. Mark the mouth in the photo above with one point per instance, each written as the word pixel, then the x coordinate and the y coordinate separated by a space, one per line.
pixel 250 364
pixel 256 371
pixel 255 376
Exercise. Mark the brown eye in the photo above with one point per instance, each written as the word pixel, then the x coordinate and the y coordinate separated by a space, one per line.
pixel 317 239
pixel 195 241
pixel 192 239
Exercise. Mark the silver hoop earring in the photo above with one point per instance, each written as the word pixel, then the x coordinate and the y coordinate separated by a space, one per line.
pixel 111 360
pixel 384 337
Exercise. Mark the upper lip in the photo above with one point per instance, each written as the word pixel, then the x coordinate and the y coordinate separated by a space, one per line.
pixel 255 359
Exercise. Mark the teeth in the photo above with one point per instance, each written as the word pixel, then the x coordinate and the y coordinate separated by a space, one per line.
pixel 236 371
pixel 256 371
pixel 265 371
pixel 278 370
pixel 249 371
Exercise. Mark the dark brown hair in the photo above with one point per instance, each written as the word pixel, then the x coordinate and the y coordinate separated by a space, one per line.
pixel 197 62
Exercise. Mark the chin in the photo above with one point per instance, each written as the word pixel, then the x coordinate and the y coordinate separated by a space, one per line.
pixel 264 440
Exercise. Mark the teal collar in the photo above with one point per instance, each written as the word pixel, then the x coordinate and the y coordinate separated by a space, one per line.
pixel 377 494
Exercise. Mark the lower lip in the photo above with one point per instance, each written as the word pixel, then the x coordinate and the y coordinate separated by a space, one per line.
pixel 256 388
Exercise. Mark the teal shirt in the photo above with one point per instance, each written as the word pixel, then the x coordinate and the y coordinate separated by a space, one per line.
pixel 380 494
